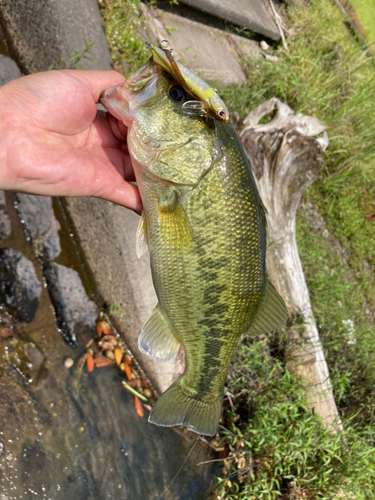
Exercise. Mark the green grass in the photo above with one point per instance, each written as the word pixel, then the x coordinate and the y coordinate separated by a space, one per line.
pixel 275 447
pixel 365 9
pixel 122 26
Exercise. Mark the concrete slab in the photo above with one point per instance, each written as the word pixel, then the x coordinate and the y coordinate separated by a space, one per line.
pixel 251 14
pixel 8 70
pixel 205 49
pixel 39 33
pixel 106 235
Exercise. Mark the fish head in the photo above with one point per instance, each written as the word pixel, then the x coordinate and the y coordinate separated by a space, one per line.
pixel 163 137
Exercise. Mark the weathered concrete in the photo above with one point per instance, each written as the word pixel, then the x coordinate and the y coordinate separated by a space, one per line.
pixel 106 234
pixel 206 49
pixel 8 70
pixel 40 32
pixel 250 14
pixel 40 224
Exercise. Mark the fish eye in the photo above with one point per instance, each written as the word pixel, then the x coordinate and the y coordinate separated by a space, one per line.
pixel 177 93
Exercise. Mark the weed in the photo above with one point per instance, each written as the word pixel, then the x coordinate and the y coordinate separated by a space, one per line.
pixel 122 24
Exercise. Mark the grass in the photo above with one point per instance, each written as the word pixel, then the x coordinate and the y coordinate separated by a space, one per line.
pixel 275 447
pixel 122 23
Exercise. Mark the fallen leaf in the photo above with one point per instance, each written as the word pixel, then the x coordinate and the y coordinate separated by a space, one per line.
pixel 103 328
pixel 90 363
pixel 138 407
pixel 128 359
pixel 118 356
pixel 128 372
pixel 147 393
pixel 101 361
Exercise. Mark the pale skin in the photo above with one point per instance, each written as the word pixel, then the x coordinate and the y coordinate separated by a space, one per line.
pixel 53 141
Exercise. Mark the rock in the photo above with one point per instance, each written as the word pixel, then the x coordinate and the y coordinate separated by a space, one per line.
pixel 75 313
pixel 8 70
pixel 5 227
pixel 40 224
pixel 26 358
pixel 20 289
pixel 250 14
pixel 40 33
pixel 264 45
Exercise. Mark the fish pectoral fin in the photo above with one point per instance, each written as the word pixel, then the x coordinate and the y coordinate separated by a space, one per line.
pixel 141 244
pixel 157 339
pixel 174 226
pixel 272 314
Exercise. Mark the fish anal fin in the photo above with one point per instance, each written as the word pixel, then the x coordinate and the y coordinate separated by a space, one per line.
pixel 157 339
pixel 272 314
pixel 141 244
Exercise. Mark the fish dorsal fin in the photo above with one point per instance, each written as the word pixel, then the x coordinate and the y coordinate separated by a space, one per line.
pixel 141 244
pixel 174 225
pixel 157 339
pixel 272 314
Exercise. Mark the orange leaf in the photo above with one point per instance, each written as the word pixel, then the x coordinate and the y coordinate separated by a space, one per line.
pixel 103 328
pixel 145 383
pixel 90 363
pixel 101 361
pixel 128 359
pixel 128 372
pixel 118 356
pixel 138 407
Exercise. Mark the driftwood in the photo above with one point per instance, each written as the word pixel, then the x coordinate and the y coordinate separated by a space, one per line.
pixel 286 155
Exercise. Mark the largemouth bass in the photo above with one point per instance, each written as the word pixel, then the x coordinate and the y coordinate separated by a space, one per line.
pixel 205 226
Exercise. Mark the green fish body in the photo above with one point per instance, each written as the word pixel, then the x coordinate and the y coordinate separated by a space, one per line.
pixel 205 227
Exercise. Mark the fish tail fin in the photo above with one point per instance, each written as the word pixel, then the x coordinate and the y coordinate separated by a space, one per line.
pixel 176 407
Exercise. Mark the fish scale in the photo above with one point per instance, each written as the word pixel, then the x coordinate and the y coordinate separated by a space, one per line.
pixel 205 226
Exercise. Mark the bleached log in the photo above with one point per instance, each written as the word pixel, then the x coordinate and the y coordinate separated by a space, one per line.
pixel 286 155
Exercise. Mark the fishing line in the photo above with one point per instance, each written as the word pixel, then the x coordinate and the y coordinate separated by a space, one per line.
pixel 179 470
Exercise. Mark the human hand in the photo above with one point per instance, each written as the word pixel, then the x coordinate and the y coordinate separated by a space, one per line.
pixel 53 142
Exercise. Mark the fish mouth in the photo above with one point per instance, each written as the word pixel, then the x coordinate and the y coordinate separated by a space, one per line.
pixel 115 102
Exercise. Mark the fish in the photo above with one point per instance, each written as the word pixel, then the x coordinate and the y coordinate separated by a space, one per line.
pixel 205 227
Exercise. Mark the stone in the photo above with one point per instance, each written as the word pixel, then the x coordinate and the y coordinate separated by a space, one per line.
pixel 8 70
pixel 39 33
pixel 26 358
pixel 5 227
pixel 251 14
pixel 264 45
pixel 75 313
pixel 20 288
pixel 40 224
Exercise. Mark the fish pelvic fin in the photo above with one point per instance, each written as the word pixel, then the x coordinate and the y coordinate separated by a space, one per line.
pixel 272 314
pixel 176 407
pixel 157 339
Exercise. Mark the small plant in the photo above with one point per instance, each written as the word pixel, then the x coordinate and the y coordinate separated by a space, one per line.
pixel 115 308
pixel 75 57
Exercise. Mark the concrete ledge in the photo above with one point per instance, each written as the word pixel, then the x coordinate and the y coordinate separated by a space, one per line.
pixel 40 32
